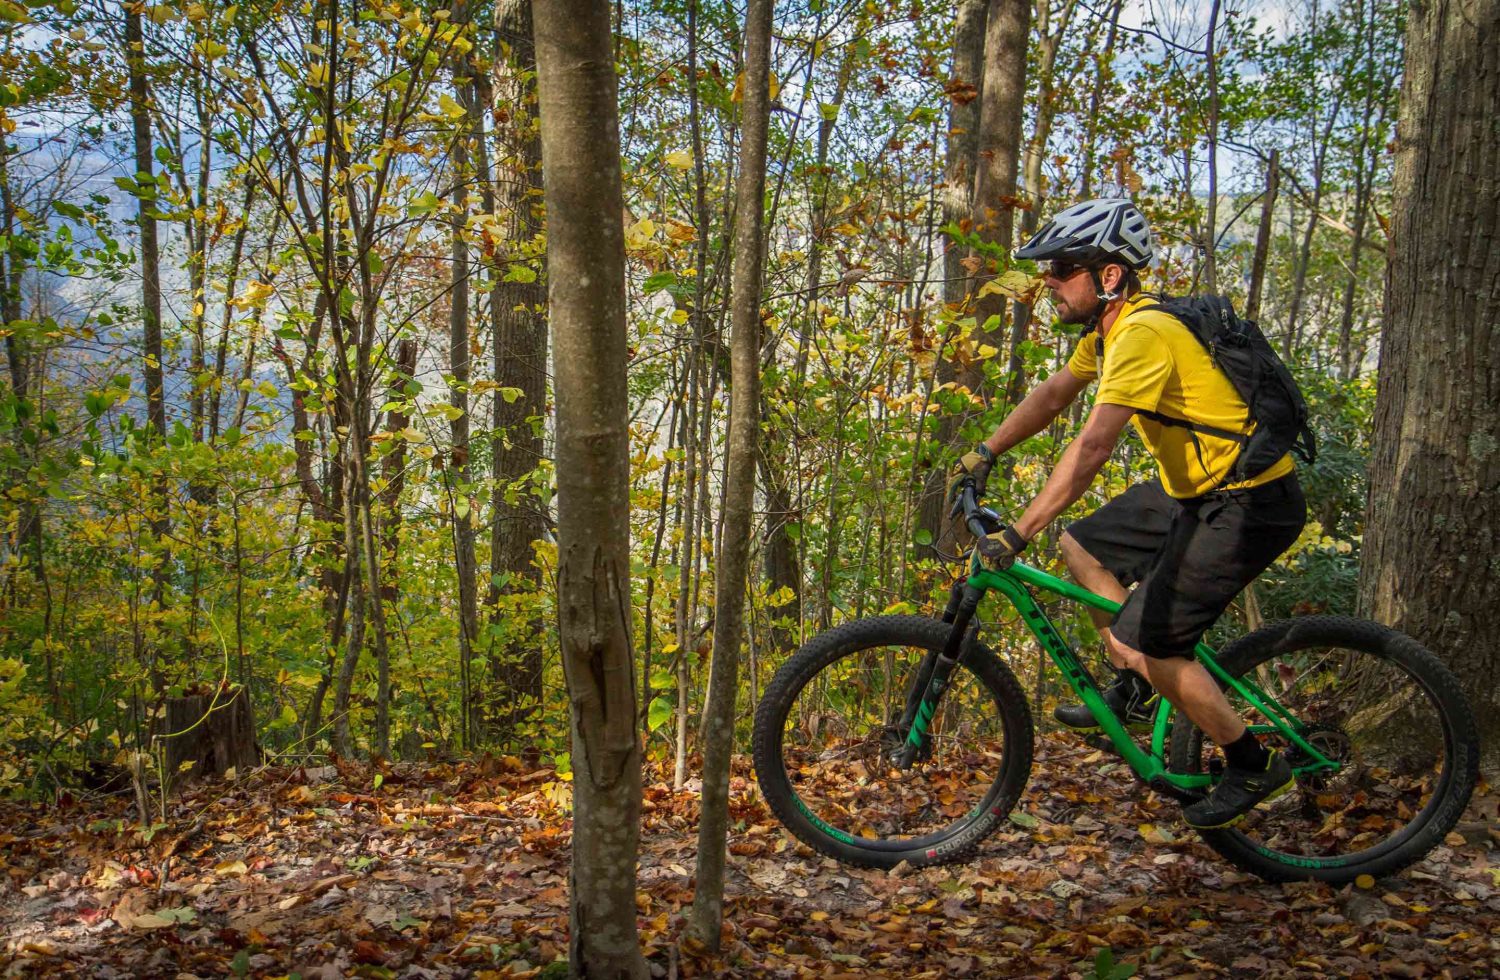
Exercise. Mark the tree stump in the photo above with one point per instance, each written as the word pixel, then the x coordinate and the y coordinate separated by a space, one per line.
pixel 215 733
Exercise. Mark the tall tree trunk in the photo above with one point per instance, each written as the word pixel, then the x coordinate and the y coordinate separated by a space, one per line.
pixel 1104 71
pixel 156 406
pixel 1007 30
pixel 965 89
pixel 520 362
pixel 732 561
pixel 1263 236
pixel 586 293
pixel 1304 252
pixel 18 359
pixel 1431 547
pixel 460 486
pixel 1052 25
pixel 1364 179
pixel 1210 218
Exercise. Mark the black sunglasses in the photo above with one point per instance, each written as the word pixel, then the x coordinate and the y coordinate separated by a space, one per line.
pixel 1059 269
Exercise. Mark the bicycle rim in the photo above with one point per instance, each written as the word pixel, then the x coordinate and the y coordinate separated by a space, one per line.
pixel 1384 715
pixel 840 739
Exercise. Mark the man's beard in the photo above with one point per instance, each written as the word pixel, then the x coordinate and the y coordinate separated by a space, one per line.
pixel 1079 318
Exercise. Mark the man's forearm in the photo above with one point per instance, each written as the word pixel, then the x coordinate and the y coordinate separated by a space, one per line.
pixel 1080 463
pixel 1030 417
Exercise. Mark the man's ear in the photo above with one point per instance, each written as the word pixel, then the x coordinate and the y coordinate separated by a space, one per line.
pixel 1112 277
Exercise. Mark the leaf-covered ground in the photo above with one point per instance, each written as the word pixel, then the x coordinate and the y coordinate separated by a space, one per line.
pixel 448 871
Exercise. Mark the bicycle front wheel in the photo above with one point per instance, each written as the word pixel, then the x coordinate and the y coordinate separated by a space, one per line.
pixel 827 736
pixel 1382 707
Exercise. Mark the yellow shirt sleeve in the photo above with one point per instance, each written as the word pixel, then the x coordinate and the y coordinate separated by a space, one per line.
pixel 1084 364
pixel 1137 368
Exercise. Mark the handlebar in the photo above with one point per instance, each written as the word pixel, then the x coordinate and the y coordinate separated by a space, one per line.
pixel 978 519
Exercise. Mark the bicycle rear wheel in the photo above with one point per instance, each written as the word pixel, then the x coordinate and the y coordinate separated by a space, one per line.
pixel 1382 706
pixel 827 735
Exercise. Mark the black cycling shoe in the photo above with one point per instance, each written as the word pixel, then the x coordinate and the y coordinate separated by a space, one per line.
pixel 1131 699
pixel 1239 792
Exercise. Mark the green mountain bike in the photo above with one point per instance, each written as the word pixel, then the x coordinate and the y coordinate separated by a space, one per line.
pixel 903 738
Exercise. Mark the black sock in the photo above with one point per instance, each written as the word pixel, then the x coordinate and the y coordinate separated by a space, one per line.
pixel 1246 752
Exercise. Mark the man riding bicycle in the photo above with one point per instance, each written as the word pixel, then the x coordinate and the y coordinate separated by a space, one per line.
pixel 1188 541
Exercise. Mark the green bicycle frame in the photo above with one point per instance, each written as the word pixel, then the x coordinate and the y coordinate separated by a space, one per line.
pixel 1013 583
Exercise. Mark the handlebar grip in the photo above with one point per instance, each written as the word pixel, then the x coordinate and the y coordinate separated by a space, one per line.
pixel 971 515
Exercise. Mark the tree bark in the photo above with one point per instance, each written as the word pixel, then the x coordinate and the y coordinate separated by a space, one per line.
pixel 1431 565
pixel 1263 236
pixel 1210 218
pixel 739 488
pixel 1002 100
pixel 586 293
pixel 965 88
pixel 145 167
pixel 520 362
pixel 458 397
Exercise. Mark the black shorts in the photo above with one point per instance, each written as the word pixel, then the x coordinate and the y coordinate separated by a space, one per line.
pixel 1190 557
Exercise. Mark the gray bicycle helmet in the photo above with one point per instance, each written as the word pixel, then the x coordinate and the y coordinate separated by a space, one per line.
pixel 1106 230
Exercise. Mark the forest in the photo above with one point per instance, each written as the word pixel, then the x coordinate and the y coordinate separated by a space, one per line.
pixel 456 413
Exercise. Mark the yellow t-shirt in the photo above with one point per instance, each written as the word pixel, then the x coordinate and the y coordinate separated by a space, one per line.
pixel 1152 361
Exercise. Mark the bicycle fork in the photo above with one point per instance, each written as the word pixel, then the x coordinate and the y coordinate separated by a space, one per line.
pixel 934 672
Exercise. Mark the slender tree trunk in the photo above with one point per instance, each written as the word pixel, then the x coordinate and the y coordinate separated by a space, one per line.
pixel 1263 236
pixel 1304 253
pixel 965 89
pixel 1052 25
pixel 145 166
pixel 586 292
pixel 1432 545
pixel 520 362
pixel 461 490
pixel 1007 30
pixel 732 561
pixel 1103 74
pixel 1210 218
pixel 19 360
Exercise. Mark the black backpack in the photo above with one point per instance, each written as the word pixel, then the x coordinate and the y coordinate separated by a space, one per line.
pixel 1241 351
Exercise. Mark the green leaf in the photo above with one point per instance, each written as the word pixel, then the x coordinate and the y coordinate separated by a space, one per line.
pixel 923 536
pixel 828 110
pixel 658 714
pixel 520 273
pixel 1021 819
pixel 68 210
pixel 658 281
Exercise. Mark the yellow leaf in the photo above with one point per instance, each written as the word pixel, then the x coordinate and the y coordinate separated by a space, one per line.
pixel 669 648
pixel 412 21
pixel 680 160
pixel 411 435
pixel 450 106
pixel 638 235
pixel 1365 881
pixel 225 869
pixel 678 231
pixel 317 74
pixel 1015 284
pixel 162 14
pixel 775 87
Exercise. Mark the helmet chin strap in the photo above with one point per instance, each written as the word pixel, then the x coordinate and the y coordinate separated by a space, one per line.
pixel 1102 300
